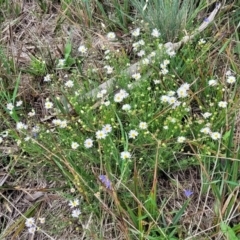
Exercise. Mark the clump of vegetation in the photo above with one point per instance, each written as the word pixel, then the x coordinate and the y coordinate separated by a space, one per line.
pixel 150 154
pixel 170 17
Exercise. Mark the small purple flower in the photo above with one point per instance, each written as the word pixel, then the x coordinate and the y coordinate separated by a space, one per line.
pixel 34 134
pixel 188 193
pixel 105 181
pixel 206 20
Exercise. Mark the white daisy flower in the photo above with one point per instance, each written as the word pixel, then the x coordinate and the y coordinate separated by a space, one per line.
pixel 173 120
pixel 107 128
pixel 176 104
pixel 222 104
pixel 228 73
pixel 141 53
pixel 212 82
pixel 82 49
pixel 172 100
pixel 133 134
pixel 88 143
pixel 19 103
pixel 145 61
pixel 201 41
pixel 10 106
pixel 170 52
pixel 135 46
pixel 163 66
pixel 207 115
pixel 215 135
pixel 164 98
pixel 170 93
pixel 136 76
pixel 141 42
pixel 152 54
pixel 164 71
pixel 21 126
pixel 30 222
pixel 136 32
pixel 109 69
pixel 36 129
pixel 155 33
pixel 48 104
pixel 125 155
pixel 74 145
pixel 100 134
pixel 182 93
pixel 166 62
pixel 156 81
pixel 104 91
pixel 32 113
pixel 111 36
pixel 126 107
pixel 143 125
pixel 61 63
pixel 205 130
pixel 124 93
pixel 56 122
pixel 26 139
pixel 118 97
pixel 76 213
pixel 231 79
pixel 101 93
pixel 181 139
pixel 63 124
pixel 185 86
pixel 47 78
pixel 31 230
pixel 69 84
pixel 74 203
pixel 41 220
pixel 4 134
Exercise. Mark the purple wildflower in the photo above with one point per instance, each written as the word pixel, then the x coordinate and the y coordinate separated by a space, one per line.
pixel 206 20
pixel 105 181
pixel 34 134
pixel 188 193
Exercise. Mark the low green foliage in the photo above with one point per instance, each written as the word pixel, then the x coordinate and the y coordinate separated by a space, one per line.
pixel 228 232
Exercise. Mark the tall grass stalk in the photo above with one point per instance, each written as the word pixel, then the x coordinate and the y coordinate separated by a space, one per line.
pixel 116 13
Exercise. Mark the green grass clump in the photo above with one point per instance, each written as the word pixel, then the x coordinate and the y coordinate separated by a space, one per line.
pixel 172 18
